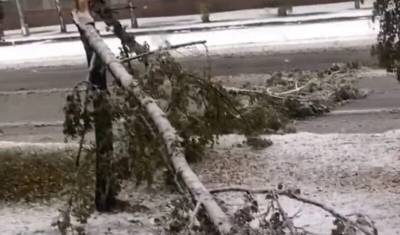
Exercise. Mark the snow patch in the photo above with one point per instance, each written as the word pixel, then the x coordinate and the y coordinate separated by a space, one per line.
pixel 261 39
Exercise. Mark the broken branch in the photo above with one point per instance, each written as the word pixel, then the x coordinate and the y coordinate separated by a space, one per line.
pixel 173 47
pixel 294 196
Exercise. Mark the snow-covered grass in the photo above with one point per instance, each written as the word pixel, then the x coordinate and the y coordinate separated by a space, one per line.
pixel 353 173
pixel 146 208
pixel 260 39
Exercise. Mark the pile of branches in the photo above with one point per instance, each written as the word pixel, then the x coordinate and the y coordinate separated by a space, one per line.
pixel 270 217
pixel 301 94
pixel 263 213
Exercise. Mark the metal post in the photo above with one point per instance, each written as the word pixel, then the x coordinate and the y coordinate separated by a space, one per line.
pixel 134 23
pixel 24 26
pixel 63 28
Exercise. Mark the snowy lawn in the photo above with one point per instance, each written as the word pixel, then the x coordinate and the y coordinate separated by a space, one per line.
pixel 354 173
pixel 350 172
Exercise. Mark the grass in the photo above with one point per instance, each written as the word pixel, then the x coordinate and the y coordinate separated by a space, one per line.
pixel 32 177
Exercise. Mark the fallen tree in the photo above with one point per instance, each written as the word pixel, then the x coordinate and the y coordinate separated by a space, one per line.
pixel 172 141
pixel 170 121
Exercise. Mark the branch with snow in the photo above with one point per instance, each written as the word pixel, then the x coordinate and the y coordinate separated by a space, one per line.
pixel 295 195
pixel 172 47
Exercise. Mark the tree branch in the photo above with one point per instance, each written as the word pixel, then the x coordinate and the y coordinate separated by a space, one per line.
pixel 173 47
pixel 106 13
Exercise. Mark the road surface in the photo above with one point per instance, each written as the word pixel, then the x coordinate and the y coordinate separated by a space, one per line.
pixel 47 107
pixel 67 76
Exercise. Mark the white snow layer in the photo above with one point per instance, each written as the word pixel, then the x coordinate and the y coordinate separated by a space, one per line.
pixel 259 39
pixel 353 173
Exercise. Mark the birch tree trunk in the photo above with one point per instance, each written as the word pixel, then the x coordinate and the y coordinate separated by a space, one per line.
pixel 21 15
pixel 63 28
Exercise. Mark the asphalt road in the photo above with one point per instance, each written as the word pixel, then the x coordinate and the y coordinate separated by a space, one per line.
pixel 67 76
pixel 47 107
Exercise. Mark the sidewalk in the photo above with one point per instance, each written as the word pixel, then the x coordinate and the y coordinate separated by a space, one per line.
pixel 191 23
pixel 317 27
pixel 263 39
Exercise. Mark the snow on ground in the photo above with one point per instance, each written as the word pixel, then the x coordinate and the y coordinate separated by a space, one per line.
pixel 146 208
pixel 354 173
pixel 266 39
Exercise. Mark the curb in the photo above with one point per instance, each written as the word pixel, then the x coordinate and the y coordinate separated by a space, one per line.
pixel 31 124
pixel 76 36
pixel 364 111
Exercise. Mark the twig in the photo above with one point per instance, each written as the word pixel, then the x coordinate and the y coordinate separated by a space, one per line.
pixel 286 220
pixel 267 91
pixel 234 90
pixel 297 89
pixel 240 189
pixel 194 214
pixel 208 60
pixel 329 210
pixel 173 47
pixel 305 232
pixel 63 220
pixel 89 86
